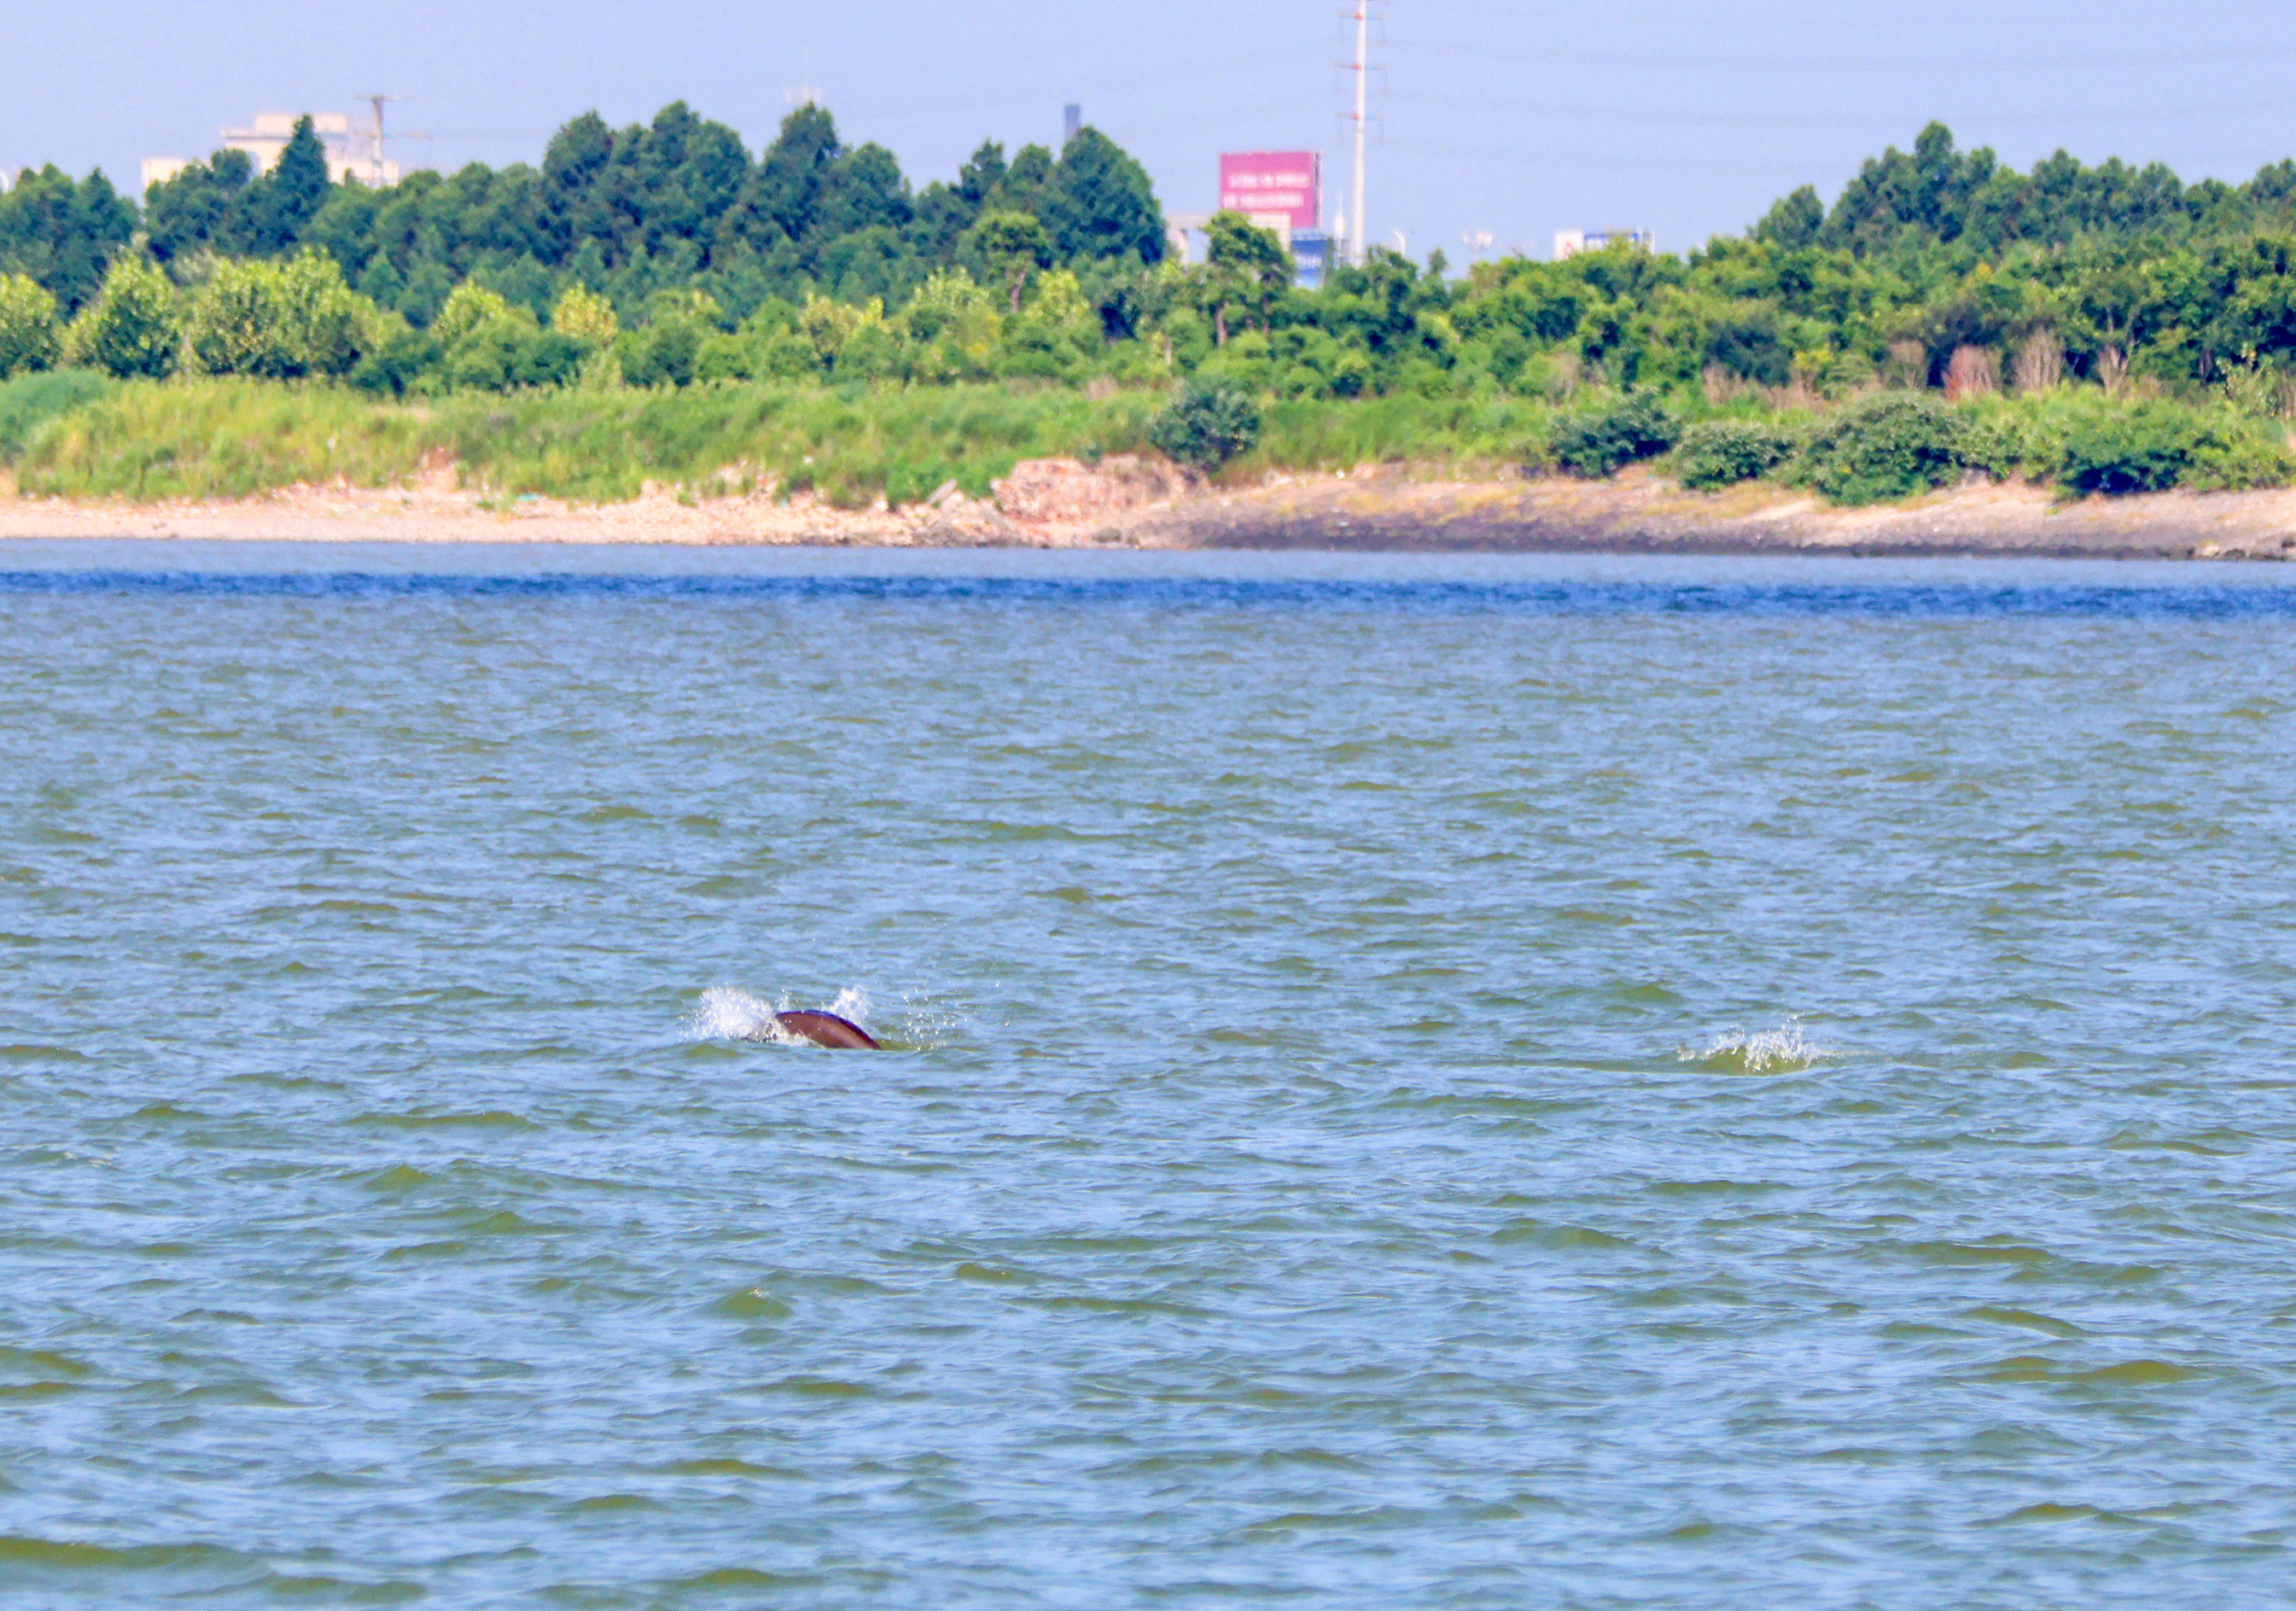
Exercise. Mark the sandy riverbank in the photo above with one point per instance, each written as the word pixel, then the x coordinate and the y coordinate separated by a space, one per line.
pixel 1062 503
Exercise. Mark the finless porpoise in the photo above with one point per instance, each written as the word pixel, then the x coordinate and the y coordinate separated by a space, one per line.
pixel 822 1028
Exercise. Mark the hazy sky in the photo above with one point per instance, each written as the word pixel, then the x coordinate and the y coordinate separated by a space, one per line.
pixel 1514 119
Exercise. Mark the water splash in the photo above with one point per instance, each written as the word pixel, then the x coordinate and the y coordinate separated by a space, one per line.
pixel 924 1022
pixel 1783 1050
pixel 726 1013
pixel 920 1021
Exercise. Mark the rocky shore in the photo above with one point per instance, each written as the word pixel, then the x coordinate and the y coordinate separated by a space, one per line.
pixel 1058 503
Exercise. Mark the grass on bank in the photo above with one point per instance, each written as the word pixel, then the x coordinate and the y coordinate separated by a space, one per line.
pixel 236 438
pixel 218 438
pixel 850 446
pixel 72 434
pixel 30 403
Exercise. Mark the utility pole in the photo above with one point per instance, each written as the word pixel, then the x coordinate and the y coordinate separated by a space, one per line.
pixel 1362 77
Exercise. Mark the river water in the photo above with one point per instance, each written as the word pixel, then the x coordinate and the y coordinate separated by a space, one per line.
pixel 1412 1081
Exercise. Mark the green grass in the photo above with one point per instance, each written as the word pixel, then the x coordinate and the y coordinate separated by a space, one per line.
pixel 851 448
pixel 1457 433
pixel 231 438
pixel 77 435
pixel 220 439
pixel 30 402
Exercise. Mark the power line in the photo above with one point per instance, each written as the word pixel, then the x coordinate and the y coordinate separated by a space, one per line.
pixel 1257 62
pixel 1970 63
pixel 1622 114
pixel 1617 164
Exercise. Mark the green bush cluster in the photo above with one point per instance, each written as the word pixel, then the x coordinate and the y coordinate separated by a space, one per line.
pixel 2156 444
pixel 1722 452
pixel 1891 444
pixel 1206 425
pixel 1603 441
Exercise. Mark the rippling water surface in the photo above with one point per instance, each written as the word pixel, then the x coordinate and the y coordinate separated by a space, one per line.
pixel 1414 1082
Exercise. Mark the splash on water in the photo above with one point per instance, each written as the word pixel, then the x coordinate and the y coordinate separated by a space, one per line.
pixel 920 1022
pixel 726 1013
pixel 1783 1050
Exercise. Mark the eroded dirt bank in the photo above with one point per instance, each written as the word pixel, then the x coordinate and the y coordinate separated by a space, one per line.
pixel 1063 504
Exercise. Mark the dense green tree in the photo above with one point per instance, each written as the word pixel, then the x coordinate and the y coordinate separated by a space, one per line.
pixel 281 203
pixel 574 208
pixel 203 207
pixel 1246 272
pixel 867 190
pixel 1100 203
pixel 1010 246
pixel 982 173
pixel 132 327
pixel 28 325
pixel 64 234
pixel 789 192
pixel 1795 221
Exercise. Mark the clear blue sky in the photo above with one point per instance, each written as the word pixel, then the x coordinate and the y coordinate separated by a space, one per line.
pixel 1514 119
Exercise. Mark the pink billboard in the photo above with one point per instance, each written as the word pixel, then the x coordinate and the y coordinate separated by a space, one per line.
pixel 1268 184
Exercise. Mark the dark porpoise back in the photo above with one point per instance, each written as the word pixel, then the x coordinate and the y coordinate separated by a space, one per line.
pixel 825 1029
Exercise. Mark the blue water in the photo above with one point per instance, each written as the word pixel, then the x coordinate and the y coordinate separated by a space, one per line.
pixel 1432 1081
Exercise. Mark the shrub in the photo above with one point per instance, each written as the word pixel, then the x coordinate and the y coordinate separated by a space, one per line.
pixel 586 316
pixel 1893 444
pixel 28 325
pixel 1206 425
pixel 1722 452
pixel 133 326
pixel 468 307
pixel 2239 459
pixel 324 326
pixel 1596 445
pixel 281 320
pixel 392 367
pixel 2118 451
pixel 233 320
pixel 1998 440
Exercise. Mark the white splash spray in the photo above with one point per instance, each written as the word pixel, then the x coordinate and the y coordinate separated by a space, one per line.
pixel 1784 1050
pixel 725 1013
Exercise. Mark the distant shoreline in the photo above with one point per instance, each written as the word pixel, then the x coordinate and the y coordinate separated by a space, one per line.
pixel 1063 504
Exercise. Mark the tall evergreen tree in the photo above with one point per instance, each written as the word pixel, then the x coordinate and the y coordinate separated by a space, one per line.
pixel 290 196
pixel 1100 202
pixel 790 188
pixel 202 207
pixel 64 234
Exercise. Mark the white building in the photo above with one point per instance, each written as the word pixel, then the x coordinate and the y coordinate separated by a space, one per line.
pixel 352 153
pixel 1570 242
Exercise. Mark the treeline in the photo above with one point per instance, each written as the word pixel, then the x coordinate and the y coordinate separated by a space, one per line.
pixel 665 255
pixel 676 204
pixel 1910 202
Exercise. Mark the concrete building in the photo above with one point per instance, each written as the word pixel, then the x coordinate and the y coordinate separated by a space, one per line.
pixel 1570 242
pixel 352 152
